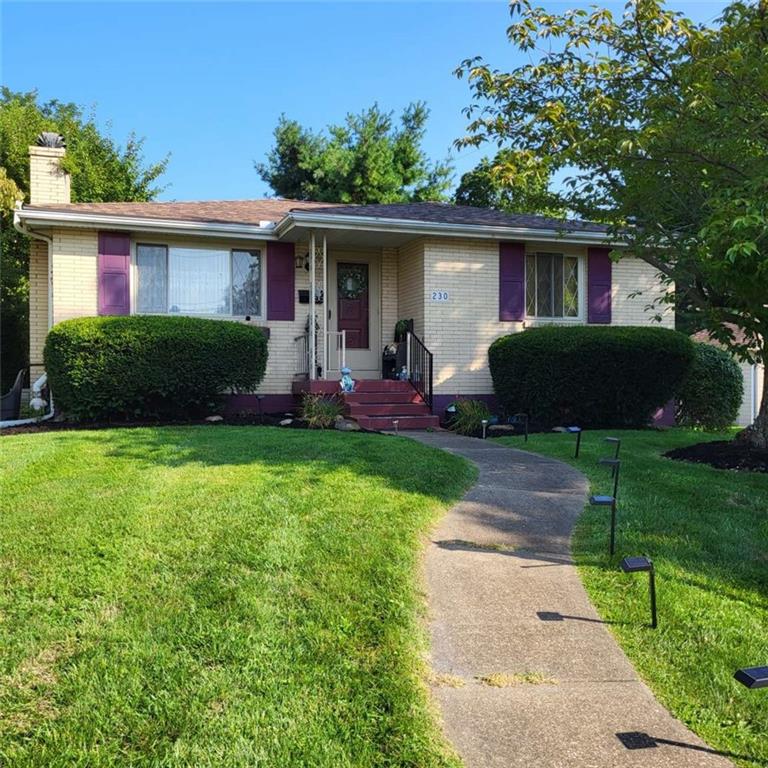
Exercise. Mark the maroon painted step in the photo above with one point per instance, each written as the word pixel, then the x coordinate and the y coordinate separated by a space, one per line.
pixel 388 409
pixel 383 397
pixel 362 386
pixel 404 422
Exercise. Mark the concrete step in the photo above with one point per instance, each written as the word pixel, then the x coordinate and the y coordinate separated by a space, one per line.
pixel 382 423
pixel 388 409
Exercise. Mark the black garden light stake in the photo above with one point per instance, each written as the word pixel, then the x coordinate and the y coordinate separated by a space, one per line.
pixel 521 419
pixel 615 441
pixel 752 677
pixel 638 565
pixel 396 425
pixel 576 431
pixel 259 399
pixel 610 501
pixel 484 422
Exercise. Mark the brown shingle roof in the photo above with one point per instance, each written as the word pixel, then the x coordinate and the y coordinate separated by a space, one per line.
pixel 448 213
pixel 212 211
pixel 254 211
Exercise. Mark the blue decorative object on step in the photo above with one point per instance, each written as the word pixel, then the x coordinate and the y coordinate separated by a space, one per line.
pixel 347 382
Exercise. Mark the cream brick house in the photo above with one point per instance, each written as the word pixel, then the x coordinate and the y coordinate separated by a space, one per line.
pixel 463 275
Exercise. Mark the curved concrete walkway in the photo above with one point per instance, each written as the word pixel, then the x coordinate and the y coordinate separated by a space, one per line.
pixel 505 600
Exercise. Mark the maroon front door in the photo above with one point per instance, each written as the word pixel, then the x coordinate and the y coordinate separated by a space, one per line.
pixel 352 303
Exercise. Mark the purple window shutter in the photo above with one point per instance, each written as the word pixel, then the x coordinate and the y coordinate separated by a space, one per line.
pixel 512 282
pixel 599 279
pixel 281 277
pixel 114 273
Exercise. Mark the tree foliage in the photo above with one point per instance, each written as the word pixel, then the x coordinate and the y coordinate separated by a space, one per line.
pixel 663 127
pixel 489 185
pixel 101 170
pixel 367 159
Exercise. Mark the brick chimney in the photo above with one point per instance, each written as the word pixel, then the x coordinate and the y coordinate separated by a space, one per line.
pixel 48 183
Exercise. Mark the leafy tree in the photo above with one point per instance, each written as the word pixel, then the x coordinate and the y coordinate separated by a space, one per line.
pixel 367 159
pixel 101 171
pixel 489 185
pixel 662 126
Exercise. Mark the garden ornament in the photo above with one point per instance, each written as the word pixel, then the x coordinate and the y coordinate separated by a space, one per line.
pixel 403 375
pixel 347 382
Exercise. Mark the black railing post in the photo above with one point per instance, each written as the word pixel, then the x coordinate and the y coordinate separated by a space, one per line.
pixel 420 367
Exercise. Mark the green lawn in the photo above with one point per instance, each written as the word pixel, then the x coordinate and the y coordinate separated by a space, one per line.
pixel 217 596
pixel 707 532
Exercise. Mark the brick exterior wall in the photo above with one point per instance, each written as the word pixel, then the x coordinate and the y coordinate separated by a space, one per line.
pixel 458 331
pixel 410 285
pixel 38 305
pixel 389 294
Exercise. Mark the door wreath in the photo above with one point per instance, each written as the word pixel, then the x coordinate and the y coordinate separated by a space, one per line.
pixel 353 282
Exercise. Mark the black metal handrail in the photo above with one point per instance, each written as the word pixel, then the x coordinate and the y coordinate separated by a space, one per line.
pixel 419 367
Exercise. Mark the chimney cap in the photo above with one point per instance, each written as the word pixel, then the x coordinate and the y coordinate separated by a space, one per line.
pixel 50 139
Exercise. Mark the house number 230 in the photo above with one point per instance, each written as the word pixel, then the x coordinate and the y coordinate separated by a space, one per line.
pixel 439 295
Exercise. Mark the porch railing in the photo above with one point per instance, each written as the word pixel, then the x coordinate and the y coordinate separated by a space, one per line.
pixel 337 352
pixel 419 367
pixel 302 355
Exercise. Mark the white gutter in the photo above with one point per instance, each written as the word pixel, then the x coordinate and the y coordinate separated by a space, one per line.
pixel 19 227
pixel 86 219
pixel 37 389
pixel 406 226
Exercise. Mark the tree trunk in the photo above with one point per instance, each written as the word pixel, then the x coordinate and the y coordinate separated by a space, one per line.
pixel 756 435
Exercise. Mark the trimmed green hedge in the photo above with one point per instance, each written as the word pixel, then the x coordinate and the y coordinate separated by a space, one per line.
pixel 592 376
pixel 712 392
pixel 149 366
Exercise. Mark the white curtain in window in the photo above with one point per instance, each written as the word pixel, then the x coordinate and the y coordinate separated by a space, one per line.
pixel 199 282
pixel 151 272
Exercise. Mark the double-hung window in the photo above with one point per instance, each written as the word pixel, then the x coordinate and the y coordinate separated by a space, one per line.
pixel 198 281
pixel 552 285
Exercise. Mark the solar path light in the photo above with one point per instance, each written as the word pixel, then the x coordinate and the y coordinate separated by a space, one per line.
pixel 638 565
pixel 609 501
pixel 259 399
pixel 616 442
pixel 575 431
pixel 484 422
pixel 521 419
pixel 753 677
pixel 396 425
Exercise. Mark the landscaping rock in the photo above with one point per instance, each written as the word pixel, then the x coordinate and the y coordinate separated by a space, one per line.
pixel 503 430
pixel 346 425
pixel 214 418
pixel 286 422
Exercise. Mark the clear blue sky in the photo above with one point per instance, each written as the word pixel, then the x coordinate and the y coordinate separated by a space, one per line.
pixel 207 81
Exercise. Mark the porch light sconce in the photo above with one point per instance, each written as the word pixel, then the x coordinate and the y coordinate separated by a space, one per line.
pixel 484 422
pixel 575 431
pixel 302 261
pixel 638 565
pixel 752 677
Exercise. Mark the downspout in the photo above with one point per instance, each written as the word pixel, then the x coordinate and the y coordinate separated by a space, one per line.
pixel 38 385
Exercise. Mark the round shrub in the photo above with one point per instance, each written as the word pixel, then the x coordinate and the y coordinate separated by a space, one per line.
pixel 149 366
pixel 712 391
pixel 591 376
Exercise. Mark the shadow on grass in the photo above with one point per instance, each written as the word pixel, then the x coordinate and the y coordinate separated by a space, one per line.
pixel 399 464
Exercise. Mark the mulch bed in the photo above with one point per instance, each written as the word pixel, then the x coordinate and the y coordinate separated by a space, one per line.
pixel 240 420
pixel 723 454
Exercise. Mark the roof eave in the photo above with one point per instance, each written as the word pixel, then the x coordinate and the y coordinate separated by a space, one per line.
pixel 423 228
pixel 163 226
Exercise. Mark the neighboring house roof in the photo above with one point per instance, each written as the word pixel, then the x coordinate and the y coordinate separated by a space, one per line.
pixel 738 334
pixel 468 215
pixel 213 211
